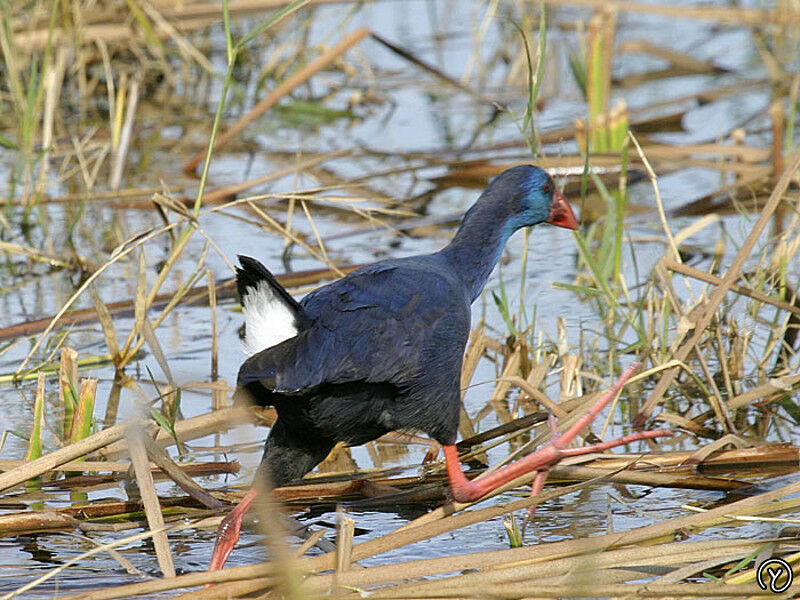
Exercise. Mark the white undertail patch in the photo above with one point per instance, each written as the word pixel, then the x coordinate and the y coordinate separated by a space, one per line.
pixel 268 321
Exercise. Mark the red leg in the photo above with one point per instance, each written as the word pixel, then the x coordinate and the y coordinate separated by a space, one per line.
pixel 228 532
pixel 464 490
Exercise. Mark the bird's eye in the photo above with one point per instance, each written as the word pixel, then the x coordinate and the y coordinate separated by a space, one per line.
pixel 547 187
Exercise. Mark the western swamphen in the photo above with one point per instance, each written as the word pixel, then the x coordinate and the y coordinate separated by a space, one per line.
pixel 381 349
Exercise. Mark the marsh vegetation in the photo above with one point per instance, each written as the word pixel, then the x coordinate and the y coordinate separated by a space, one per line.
pixel 145 143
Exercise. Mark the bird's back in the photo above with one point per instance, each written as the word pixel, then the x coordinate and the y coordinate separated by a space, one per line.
pixel 387 339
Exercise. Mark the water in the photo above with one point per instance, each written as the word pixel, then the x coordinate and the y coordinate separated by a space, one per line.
pixel 414 112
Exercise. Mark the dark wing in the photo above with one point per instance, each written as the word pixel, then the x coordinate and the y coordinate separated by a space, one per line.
pixel 379 324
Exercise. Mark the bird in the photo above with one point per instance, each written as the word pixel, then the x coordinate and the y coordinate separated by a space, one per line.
pixel 381 349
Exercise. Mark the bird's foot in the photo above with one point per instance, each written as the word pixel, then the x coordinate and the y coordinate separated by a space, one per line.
pixel 464 490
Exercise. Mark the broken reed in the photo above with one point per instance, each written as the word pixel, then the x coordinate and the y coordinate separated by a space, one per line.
pixel 76 406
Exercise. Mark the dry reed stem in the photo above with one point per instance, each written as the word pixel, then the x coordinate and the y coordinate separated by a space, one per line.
pixel 35 521
pixel 184 17
pixel 708 309
pixel 167 30
pixel 409 56
pixel 187 429
pixel 497 400
pixel 119 253
pixel 728 460
pixel 291 236
pixel 64 455
pixel 737 17
pixel 212 305
pixel 37 255
pixel 778 386
pixel 700 456
pixel 292 82
pixel 568 472
pixel 512 591
pixel 738 289
pixel 659 204
pixel 678 59
pixel 106 466
pixel 147 490
pixel 91 196
pixel 552 407
pixel 671 554
pixel 481 560
pixel 344 543
pixel 472 356
pixel 715 398
pixel 221 194
pixel 121 151
pixel 160 457
pixel 94 551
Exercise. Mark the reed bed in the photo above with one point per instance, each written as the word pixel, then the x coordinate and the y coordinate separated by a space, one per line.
pixel 121 120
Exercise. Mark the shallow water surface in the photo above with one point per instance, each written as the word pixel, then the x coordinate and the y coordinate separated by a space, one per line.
pixel 413 112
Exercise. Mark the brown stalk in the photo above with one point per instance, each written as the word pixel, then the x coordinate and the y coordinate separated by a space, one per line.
pixel 37 255
pixel 212 304
pixel 222 194
pixel 738 289
pixel 777 387
pixel 147 490
pixel 481 560
pixel 668 480
pixel 67 387
pixel 344 543
pixel 126 307
pixel 107 466
pixel 184 18
pixel 62 456
pixel 121 151
pixel 187 429
pixel 519 424
pixel 678 59
pixel 122 251
pixel 285 88
pixel 715 399
pixel 664 554
pixel 407 55
pixel 39 520
pixel 737 17
pixel 160 457
pixel 710 307
pixel 583 589
pixel 552 407
pixel 472 356
pixel 497 400
pixel 703 453
pixel 777 117
pixel 94 196
pixel 769 454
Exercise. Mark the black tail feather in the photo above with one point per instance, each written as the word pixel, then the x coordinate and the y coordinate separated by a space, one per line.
pixel 251 273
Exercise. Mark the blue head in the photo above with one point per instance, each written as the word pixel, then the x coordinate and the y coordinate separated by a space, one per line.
pixel 528 196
